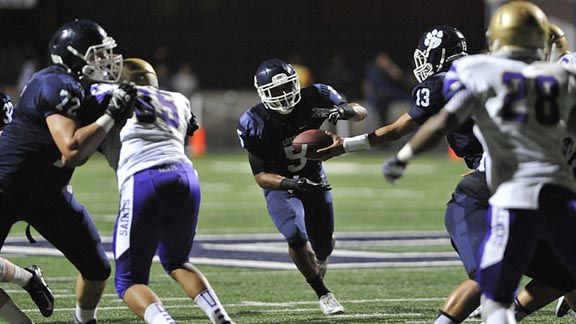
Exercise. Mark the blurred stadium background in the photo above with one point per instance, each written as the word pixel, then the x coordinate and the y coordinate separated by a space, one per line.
pixel 221 42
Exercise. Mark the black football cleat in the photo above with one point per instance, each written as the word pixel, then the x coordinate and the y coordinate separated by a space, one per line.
pixel 39 291
pixel 93 321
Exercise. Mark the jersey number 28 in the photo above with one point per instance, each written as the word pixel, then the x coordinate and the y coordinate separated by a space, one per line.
pixel 545 93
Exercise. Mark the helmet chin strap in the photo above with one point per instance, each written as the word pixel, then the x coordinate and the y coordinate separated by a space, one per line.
pixel 552 57
pixel 56 59
pixel 88 71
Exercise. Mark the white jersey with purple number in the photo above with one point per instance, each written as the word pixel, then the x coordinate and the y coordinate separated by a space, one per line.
pixel 141 145
pixel 569 58
pixel 145 145
pixel 520 112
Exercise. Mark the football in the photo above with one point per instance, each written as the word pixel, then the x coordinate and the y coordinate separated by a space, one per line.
pixel 310 141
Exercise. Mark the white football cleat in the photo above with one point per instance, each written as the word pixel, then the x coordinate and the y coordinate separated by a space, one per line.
pixel 329 305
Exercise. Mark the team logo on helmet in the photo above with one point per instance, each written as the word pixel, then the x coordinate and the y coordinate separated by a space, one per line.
pixel 434 39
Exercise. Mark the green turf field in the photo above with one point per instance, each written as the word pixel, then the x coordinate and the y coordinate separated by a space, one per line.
pixel 233 204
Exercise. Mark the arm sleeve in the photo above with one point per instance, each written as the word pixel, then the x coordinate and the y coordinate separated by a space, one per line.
pixel 256 163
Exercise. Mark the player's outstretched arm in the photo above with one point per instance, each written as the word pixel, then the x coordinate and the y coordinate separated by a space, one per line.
pixel 385 134
pixel 429 134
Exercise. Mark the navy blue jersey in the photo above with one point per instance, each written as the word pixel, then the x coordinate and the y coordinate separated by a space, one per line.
pixel 30 159
pixel 268 134
pixel 428 100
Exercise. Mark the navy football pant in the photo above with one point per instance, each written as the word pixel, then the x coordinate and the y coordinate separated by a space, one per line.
pixel 63 222
pixel 158 213
pixel 301 217
pixel 466 223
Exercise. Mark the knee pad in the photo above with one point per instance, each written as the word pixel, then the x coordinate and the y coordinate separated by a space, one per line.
pixel 100 273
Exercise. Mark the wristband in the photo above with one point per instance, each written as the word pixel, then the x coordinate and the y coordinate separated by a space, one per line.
pixel 105 121
pixel 405 153
pixel 287 184
pixel 356 143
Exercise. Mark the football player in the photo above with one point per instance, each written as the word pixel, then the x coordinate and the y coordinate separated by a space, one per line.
pixel 159 198
pixel 437 48
pixel 465 217
pixel 29 278
pixel 520 107
pixel 44 143
pixel 295 188
pixel 559 52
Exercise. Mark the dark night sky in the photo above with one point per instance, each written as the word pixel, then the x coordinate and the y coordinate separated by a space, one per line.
pixel 225 40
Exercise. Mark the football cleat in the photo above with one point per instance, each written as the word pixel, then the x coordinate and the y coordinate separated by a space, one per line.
pixel 39 291
pixel 330 305
pixel 76 321
pixel 562 308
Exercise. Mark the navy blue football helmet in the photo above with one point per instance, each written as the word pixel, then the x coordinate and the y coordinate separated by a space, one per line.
pixel 437 48
pixel 278 85
pixel 86 50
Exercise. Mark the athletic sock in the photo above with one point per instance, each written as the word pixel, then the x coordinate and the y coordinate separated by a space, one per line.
pixel 84 315
pixel 21 276
pixel 520 311
pixel 318 285
pixel 156 314
pixel 209 303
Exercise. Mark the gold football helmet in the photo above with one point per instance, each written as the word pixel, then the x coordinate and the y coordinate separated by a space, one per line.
pixel 518 26
pixel 139 71
pixel 557 43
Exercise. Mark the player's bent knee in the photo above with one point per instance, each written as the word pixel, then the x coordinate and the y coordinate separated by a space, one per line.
pixel 100 273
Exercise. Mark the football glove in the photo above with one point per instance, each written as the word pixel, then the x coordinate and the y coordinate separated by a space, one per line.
pixel 332 114
pixel 304 184
pixel 144 110
pixel 122 100
pixel 393 169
